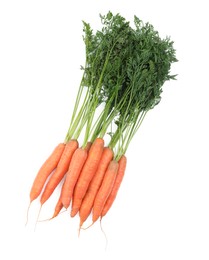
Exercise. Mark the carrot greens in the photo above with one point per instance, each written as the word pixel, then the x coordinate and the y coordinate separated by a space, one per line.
pixel 147 70
pixel 124 73
pixel 103 72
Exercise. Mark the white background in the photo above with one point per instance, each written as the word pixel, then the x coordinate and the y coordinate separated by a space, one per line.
pixel 161 211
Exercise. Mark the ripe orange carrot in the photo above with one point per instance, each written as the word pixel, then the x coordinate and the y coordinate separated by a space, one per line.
pixel 76 165
pixel 104 190
pixel 87 173
pixel 60 171
pixel 58 208
pixel 87 203
pixel 121 171
pixel 46 169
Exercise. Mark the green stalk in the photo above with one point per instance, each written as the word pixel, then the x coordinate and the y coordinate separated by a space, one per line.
pixel 131 134
pixel 94 103
pixel 98 125
pixel 76 121
pixel 106 117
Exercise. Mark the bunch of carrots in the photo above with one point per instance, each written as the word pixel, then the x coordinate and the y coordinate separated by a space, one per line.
pixel 123 75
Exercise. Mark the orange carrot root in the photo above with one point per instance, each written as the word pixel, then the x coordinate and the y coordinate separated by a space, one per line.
pixel 76 165
pixel 120 174
pixel 87 173
pixel 104 190
pixel 54 216
pixel 87 202
pixel 60 171
pixel 46 169
pixel 57 210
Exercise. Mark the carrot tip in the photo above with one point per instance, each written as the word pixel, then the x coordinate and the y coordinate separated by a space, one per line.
pixel 73 212
pixel 81 223
pixel 65 206
pixel 88 226
pixel 80 227
pixel 54 216
pixel 79 231
pixel 37 218
pixel 104 234
pixel 27 213
pixel 43 220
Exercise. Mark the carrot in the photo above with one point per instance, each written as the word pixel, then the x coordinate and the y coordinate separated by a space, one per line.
pixel 76 165
pixel 104 190
pixel 46 169
pixel 88 200
pixel 60 171
pixel 87 173
pixel 121 171
pixel 58 208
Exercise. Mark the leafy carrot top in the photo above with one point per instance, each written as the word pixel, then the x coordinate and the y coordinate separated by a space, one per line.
pixel 123 75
